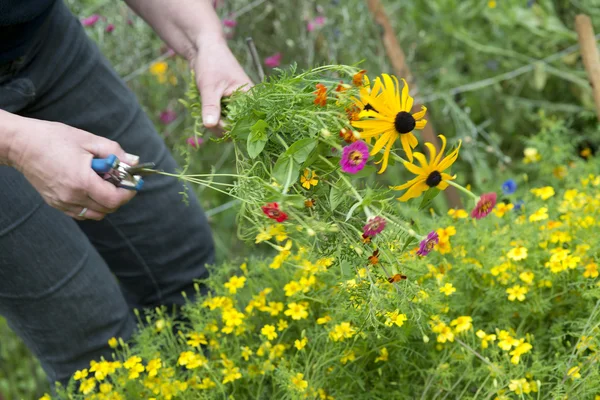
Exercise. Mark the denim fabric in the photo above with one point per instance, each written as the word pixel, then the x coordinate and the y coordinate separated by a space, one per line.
pixel 66 286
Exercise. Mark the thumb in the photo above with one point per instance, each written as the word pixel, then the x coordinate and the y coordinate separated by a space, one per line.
pixel 102 147
pixel 211 105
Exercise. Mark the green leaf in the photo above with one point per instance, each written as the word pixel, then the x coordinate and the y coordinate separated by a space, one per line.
pixel 241 129
pixel 286 170
pixel 301 149
pixel 368 170
pixel 257 138
pixel 540 76
pixel 336 195
pixel 352 209
pixel 428 197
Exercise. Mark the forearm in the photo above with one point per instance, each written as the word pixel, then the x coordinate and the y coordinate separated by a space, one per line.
pixel 181 23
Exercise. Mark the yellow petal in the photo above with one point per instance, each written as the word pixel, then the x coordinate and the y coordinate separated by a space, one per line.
pixel 421 124
pixel 432 152
pixel 414 169
pixel 382 141
pixel 450 159
pixel 412 140
pixel 414 191
pixel 442 185
pixel 406 147
pixel 418 115
pixel 386 157
pixel 409 183
pixel 421 158
pixel 404 95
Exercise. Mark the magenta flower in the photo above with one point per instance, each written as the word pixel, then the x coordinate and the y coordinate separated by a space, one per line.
pixel 484 206
pixel 230 23
pixel 91 20
pixel 354 157
pixel 428 243
pixel 274 60
pixel 320 20
pixel 374 226
pixel 109 28
pixel 195 142
pixel 310 26
pixel 167 116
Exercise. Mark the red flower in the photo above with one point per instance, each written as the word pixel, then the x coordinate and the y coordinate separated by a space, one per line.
pixel 321 93
pixel 272 211
pixel 484 206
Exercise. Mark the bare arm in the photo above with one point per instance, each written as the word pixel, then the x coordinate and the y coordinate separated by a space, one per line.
pixel 7 135
pixel 193 30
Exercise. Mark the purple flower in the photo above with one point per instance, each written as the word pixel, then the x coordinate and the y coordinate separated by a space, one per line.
pixel 428 243
pixel 168 116
pixel 274 60
pixel 230 23
pixel 195 142
pixel 109 28
pixel 354 157
pixel 91 20
pixel 374 226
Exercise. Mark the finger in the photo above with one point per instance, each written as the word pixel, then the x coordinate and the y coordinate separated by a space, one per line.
pixel 244 85
pixel 211 104
pixel 105 193
pixel 89 214
pixel 102 147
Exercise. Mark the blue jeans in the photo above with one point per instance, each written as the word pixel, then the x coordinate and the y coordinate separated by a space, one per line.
pixel 66 287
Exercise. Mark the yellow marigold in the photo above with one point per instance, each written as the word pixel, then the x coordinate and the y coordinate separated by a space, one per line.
pixel 46 396
pixel 517 292
pixel 292 288
pixel 485 338
pixel 191 360
pixel 517 253
pixel 574 373
pixel 274 308
pixel 395 318
pixel 282 324
pixel 246 353
pixel 446 233
pixel 342 331
pixel 447 289
pixel 296 311
pixel 308 179
pixel 300 344
pixel 106 388
pixel 527 277
pixel 458 213
pixel 232 317
pixel 591 271
pixel 113 342
pixel 502 208
pixel 519 350
pixel 269 332
pixel 299 383
pixel 539 215
pixel 531 155
pixel 196 339
pixel 543 193
pixel 323 320
pixel 519 386
pixel 231 374
pixel 153 366
pixel 87 386
pixel 463 323
pixel 80 374
pixel 505 341
pixel 235 283
pixel 383 355
pixel 348 356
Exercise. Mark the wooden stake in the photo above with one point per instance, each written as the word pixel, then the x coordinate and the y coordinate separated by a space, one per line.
pixel 401 69
pixel 589 54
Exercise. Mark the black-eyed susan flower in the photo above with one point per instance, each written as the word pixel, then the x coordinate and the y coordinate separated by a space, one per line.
pixel 429 174
pixel 390 118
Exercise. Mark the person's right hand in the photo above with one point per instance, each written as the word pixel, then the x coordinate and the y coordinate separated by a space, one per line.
pixel 57 160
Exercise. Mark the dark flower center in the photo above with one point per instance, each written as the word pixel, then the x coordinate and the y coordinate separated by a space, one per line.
pixel 433 179
pixel 430 245
pixel 404 122
pixel 369 107
pixel 355 157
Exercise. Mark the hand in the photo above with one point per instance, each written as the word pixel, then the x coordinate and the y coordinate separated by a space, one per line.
pixel 57 160
pixel 218 74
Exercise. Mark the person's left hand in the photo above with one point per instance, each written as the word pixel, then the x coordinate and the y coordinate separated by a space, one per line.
pixel 218 74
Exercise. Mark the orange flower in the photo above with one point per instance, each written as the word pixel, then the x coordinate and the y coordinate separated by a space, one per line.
pixel 357 79
pixel 374 259
pixel 396 278
pixel 321 95
pixel 341 87
pixel 347 135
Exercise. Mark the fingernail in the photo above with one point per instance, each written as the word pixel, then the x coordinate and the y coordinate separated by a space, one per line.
pixel 210 120
pixel 132 158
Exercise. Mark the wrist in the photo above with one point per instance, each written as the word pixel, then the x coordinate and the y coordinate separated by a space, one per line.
pixel 10 132
pixel 204 42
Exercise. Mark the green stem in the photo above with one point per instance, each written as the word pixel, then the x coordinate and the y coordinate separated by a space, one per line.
pixel 462 189
pixel 346 181
pixel 282 141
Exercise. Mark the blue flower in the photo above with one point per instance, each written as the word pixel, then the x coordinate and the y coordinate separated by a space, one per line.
pixel 518 204
pixel 509 187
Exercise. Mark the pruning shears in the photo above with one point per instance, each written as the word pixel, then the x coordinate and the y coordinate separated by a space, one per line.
pixel 122 175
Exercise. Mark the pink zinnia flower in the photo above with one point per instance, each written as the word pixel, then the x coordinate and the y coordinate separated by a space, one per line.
pixel 230 23
pixel 320 20
pixel 428 243
pixel 274 60
pixel 109 28
pixel 168 116
pixel 195 142
pixel 374 226
pixel 484 206
pixel 91 20
pixel 310 26
pixel 354 157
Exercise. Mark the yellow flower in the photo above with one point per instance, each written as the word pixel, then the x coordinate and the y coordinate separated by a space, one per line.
pixel 543 193
pixel 429 175
pixel 159 69
pixel 531 155
pixel 517 292
pixel 87 386
pixel 517 253
pixel 191 360
pixel 526 277
pixel 235 283
pixel 300 344
pixel 113 342
pixel 80 374
pixel 383 355
pixel 323 320
pixel 539 215
pixel 342 331
pixel 519 350
pixel 46 396
pixel 492 3
pixel 485 338
pixel 519 386
pixel 463 323
pixel 106 388
pixel 444 234
pixel 447 289
pixel 196 339
pixel 506 342
pixel 591 270
pixel 292 288
pixel 269 332
pixel 296 311
pixel 445 334
pixel 502 208
pixel 390 118
pixel 348 356
pixel 231 374
pixel 395 318
pixel 281 325
pixel 458 213
pixel 574 373
pixel 232 317
pixel 308 179
pixel 299 383
pixel 246 352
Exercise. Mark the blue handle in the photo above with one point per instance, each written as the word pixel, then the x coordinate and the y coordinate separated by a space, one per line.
pixel 104 165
